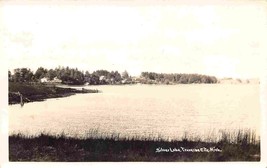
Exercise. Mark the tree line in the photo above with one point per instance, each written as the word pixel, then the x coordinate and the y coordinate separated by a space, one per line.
pixel 176 78
pixel 73 76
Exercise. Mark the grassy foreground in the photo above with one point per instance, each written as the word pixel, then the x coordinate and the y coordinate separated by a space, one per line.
pixel 39 92
pixel 45 147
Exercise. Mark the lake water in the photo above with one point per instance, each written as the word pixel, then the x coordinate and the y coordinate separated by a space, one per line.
pixel 167 111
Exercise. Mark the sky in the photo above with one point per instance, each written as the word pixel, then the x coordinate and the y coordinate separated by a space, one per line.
pixel 221 39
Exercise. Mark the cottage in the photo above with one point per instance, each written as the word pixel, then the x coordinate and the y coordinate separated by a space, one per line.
pixel 44 79
pixel 56 80
pixel 102 78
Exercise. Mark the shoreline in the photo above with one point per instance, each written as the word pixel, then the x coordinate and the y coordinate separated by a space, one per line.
pixel 20 93
pixel 37 92
pixel 158 84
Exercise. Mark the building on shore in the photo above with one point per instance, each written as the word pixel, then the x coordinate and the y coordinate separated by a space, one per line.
pixel 47 80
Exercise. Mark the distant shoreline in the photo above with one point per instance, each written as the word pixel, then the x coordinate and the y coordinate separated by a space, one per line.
pixel 33 92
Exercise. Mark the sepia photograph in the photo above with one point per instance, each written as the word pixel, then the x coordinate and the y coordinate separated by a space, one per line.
pixel 114 81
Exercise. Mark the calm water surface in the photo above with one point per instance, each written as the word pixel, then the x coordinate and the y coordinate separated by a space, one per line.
pixel 143 110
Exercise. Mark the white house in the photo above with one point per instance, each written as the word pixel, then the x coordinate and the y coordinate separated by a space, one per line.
pixel 56 80
pixel 102 78
pixel 44 79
